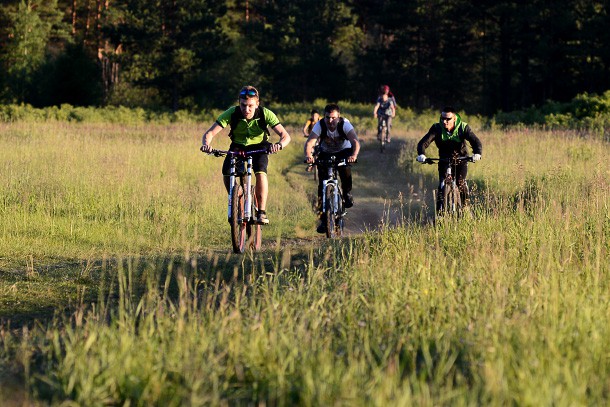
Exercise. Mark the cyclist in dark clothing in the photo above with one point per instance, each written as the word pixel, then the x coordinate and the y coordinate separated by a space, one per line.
pixel 450 135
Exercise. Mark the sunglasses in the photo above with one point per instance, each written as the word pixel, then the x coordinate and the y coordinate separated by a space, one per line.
pixel 248 92
pixel 446 119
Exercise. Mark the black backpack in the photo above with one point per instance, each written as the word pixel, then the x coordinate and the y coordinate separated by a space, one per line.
pixel 324 131
pixel 258 114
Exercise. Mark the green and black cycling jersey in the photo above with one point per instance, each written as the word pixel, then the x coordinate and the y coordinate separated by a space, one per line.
pixel 248 132
pixel 448 143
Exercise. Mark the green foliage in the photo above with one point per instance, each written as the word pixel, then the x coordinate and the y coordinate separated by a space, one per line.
pixel 586 112
pixel 25 51
pixel 110 114
pixel 169 45
pixel 191 54
pixel 33 27
pixel 591 105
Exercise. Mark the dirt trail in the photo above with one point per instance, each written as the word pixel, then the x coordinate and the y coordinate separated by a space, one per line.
pixel 384 195
pixel 385 192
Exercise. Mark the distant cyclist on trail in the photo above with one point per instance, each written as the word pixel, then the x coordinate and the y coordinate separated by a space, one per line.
pixel 385 90
pixel 450 135
pixel 385 109
pixel 338 138
pixel 313 119
pixel 249 124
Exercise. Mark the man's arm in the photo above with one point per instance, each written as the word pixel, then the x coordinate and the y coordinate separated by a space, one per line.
pixel 426 141
pixel 206 139
pixel 284 138
pixel 309 145
pixel 375 110
pixel 305 128
pixel 353 139
pixel 475 143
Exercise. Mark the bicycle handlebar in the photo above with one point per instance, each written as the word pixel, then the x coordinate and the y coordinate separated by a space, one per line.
pixel 430 160
pixel 331 161
pixel 238 153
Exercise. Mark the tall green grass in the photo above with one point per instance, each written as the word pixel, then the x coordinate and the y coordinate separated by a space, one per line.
pixel 508 305
pixel 88 190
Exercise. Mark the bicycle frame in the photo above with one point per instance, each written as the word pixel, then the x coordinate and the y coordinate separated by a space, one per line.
pixel 449 179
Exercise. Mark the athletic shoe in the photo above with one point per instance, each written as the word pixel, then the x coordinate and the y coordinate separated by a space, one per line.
pixel 262 219
pixel 349 200
pixel 321 227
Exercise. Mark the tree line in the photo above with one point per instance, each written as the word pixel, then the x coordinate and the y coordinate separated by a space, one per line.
pixel 481 56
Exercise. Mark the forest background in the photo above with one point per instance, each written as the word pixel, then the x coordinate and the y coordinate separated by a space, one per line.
pixel 482 56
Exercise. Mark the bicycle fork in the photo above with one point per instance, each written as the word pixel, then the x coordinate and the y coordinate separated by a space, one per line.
pixel 232 180
pixel 447 176
pixel 453 184
pixel 247 189
pixel 335 197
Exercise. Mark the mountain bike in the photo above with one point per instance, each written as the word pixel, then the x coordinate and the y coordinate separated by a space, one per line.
pixel 332 196
pixel 382 131
pixel 243 204
pixel 454 198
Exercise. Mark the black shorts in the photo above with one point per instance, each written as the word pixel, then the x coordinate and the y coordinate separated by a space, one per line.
pixel 259 161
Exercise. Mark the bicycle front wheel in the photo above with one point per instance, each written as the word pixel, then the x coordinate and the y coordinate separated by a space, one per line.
pixel 254 230
pixel 238 223
pixel 330 211
pixel 340 211
pixel 452 201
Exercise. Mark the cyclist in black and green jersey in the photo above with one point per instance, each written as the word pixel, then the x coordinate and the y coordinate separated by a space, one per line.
pixel 249 124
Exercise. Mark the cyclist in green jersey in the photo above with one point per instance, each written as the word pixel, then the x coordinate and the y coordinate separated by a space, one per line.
pixel 249 124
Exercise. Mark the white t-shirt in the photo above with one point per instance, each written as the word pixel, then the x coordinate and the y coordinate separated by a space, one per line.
pixel 333 142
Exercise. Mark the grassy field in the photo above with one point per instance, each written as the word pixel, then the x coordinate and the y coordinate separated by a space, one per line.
pixel 118 286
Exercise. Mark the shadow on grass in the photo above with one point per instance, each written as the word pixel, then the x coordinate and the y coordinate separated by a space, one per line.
pixel 52 294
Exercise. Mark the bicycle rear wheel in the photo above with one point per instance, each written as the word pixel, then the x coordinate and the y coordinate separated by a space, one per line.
pixel 330 211
pixel 254 230
pixel 238 223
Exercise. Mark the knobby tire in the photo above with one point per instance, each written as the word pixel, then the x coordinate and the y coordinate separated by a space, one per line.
pixel 254 230
pixel 381 134
pixel 339 221
pixel 330 211
pixel 238 226
pixel 451 200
